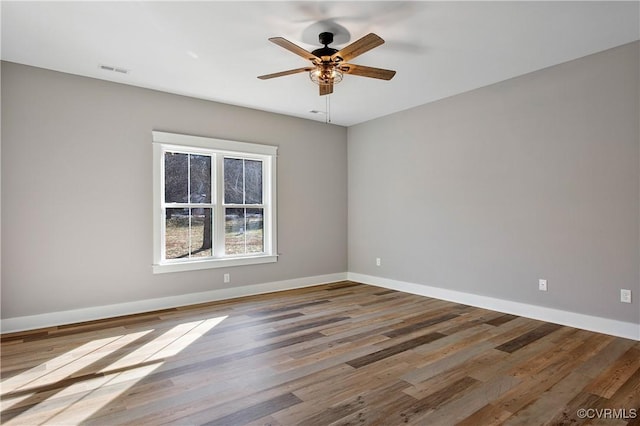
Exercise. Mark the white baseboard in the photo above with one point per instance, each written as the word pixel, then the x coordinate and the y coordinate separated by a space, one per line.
pixel 627 330
pixel 572 319
pixel 51 319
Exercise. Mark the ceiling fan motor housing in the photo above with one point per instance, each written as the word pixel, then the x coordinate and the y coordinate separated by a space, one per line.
pixel 326 38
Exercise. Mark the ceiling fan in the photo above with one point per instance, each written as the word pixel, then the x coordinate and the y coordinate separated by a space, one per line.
pixel 328 65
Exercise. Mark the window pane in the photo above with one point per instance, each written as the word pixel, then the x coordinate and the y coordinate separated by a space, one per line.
pixel 253 181
pixel 176 185
pixel 233 181
pixel 254 232
pixel 244 231
pixel 234 231
pixel 177 233
pixel 201 233
pixel 200 169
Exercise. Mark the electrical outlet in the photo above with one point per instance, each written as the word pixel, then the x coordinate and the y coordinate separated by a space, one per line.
pixel 625 295
pixel 542 285
pixel 227 278
pixel 378 261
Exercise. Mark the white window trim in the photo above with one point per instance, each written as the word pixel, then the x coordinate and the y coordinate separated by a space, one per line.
pixel 163 141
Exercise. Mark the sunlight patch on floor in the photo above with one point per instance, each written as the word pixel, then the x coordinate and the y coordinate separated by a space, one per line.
pixel 92 389
pixel 167 345
pixel 66 364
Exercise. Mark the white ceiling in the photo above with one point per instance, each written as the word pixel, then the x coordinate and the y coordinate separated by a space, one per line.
pixel 215 50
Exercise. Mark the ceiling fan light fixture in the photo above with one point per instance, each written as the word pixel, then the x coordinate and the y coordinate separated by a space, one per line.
pixel 326 75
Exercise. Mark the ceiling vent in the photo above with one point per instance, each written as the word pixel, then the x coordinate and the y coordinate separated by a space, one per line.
pixel 114 69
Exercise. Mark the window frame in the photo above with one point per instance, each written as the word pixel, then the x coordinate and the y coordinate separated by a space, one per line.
pixel 218 149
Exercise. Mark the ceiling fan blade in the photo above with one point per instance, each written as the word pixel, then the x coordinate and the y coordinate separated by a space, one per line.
pixel 363 71
pixel 291 47
pixel 326 89
pixel 283 73
pixel 358 47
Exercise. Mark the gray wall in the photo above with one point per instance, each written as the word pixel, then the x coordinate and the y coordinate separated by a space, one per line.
pixel 488 191
pixel 485 192
pixel 77 191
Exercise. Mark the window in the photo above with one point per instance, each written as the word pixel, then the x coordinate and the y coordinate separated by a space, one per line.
pixel 214 203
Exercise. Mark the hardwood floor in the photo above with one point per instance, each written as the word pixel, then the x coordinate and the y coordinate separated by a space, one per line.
pixel 345 353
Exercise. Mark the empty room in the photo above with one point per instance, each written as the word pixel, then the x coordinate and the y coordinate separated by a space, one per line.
pixel 320 213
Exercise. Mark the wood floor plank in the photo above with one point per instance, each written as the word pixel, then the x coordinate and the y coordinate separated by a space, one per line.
pixel 345 408
pixel 428 381
pixel 272 311
pixel 366 379
pixel 436 399
pixel 535 385
pixel 330 350
pixel 466 403
pixel 419 326
pixel 335 354
pixel 554 352
pixel 527 338
pixel 438 364
pixel 257 411
pixel 489 415
pixel 549 404
pixel 502 319
pixel 301 327
pixel 608 382
pixel 570 413
pixel 395 349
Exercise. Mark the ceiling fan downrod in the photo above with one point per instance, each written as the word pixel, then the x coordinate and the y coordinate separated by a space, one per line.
pixel 326 39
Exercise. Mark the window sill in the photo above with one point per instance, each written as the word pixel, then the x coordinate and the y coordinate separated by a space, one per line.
pixel 195 265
